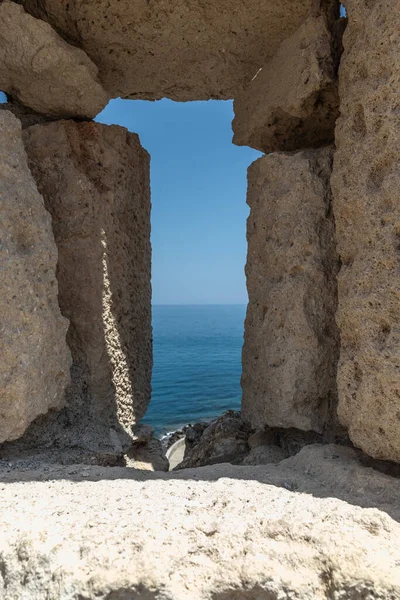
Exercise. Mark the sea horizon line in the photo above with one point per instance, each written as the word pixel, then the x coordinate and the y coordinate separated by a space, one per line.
pixel 203 304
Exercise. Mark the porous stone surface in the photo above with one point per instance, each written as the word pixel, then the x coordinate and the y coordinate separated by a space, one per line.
pixel 181 49
pixel 95 182
pixel 35 360
pixel 365 184
pixel 223 440
pixel 292 102
pixel 291 340
pixel 42 71
pixel 315 527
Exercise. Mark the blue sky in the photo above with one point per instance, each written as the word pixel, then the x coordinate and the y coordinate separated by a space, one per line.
pixel 198 184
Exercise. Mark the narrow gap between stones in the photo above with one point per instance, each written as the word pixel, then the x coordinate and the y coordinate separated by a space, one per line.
pixel 198 181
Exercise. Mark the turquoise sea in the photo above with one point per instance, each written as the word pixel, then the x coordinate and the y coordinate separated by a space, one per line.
pixel 197 364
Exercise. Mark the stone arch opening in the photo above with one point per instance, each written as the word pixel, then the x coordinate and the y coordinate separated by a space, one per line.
pixel 281 68
pixel 198 190
pixel 272 114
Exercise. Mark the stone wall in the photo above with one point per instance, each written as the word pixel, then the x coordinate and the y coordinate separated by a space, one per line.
pixel 291 340
pixel 279 60
pixel 35 360
pixel 366 187
pixel 271 113
pixel 95 182
pixel 180 49
pixel 316 525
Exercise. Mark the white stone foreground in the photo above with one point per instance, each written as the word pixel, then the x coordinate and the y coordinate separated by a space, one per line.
pixel 215 533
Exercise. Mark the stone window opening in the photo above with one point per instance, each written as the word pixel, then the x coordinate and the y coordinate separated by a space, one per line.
pixel 302 510
pixel 91 176
pixel 197 170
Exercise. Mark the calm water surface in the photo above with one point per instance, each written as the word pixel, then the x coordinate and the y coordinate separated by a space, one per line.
pixel 197 364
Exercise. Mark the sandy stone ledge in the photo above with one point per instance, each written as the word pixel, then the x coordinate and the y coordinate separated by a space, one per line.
pixel 215 533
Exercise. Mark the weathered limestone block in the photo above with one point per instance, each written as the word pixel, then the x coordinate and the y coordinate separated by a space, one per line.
pixel 35 360
pixel 42 71
pixel 216 533
pixel 291 342
pixel 95 182
pixel 180 49
pixel 292 103
pixel 366 188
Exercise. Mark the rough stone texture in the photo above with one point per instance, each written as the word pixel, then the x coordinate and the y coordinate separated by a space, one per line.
pixel 220 532
pixel 181 49
pixel 35 361
pixel 292 103
pixel 42 71
pixel 291 341
pixel 366 184
pixel 224 440
pixel 95 182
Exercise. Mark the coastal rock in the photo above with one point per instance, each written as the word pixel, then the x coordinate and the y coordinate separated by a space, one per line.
pixel 365 184
pixel 292 102
pixel 183 49
pixel 221 532
pixel 223 440
pixel 194 432
pixel 291 341
pixel 35 360
pixel 95 183
pixel 42 71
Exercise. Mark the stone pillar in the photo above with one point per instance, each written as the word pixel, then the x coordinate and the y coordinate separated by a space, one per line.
pixel 35 360
pixel 291 342
pixel 95 182
pixel 366 189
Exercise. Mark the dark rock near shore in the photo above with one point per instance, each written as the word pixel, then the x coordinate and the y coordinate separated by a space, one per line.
pixel 221 441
